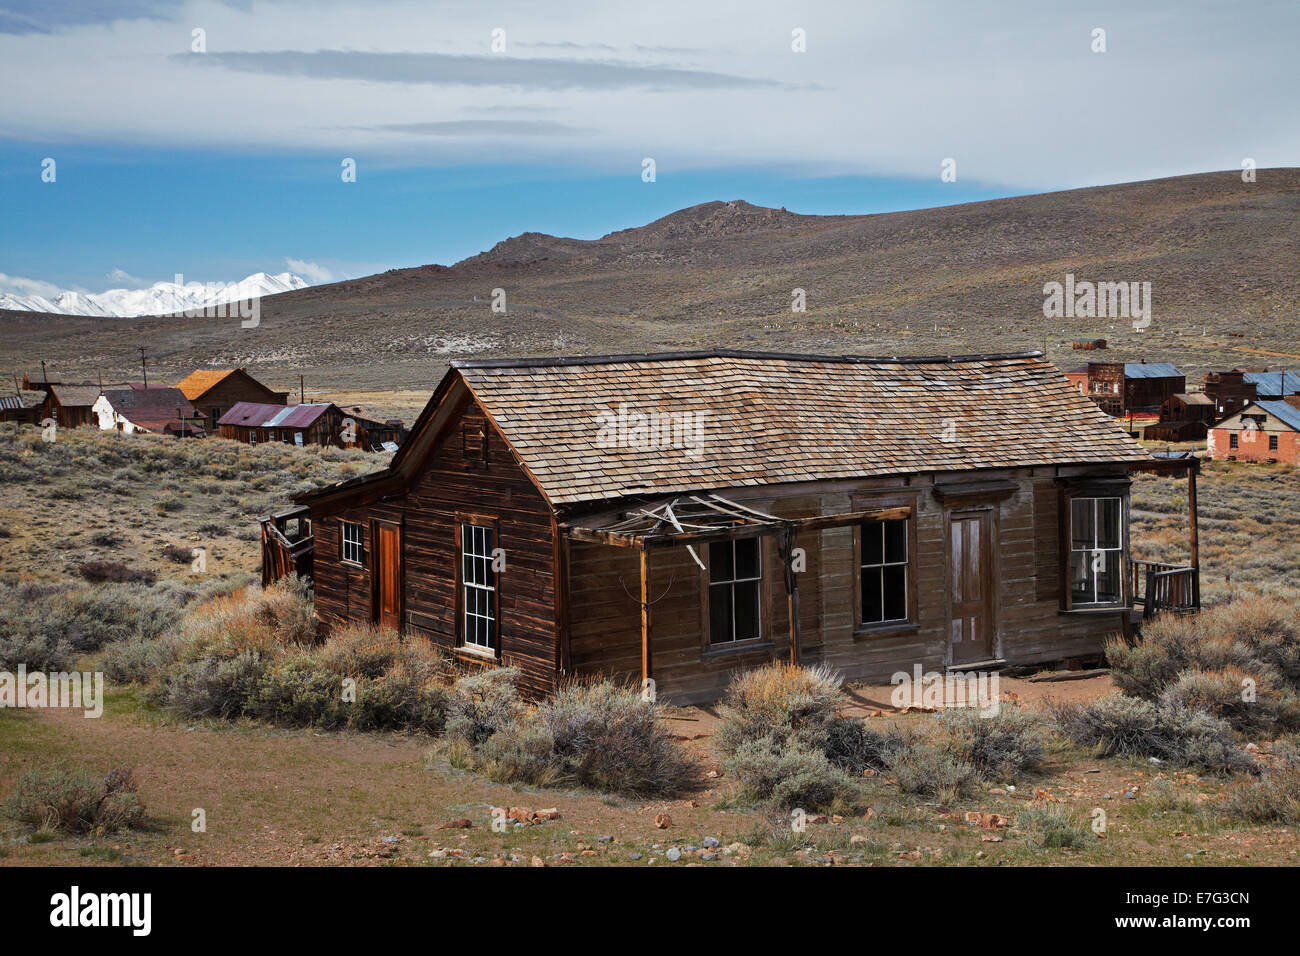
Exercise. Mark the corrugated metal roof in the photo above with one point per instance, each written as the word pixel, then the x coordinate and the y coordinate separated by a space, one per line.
pixel 755 419
pixel 256 415
pixel 1270 383
pixel 1150 370
pixel 1284 411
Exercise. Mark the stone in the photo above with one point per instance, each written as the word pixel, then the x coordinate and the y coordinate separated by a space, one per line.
pixel 711 843
pixel 673 854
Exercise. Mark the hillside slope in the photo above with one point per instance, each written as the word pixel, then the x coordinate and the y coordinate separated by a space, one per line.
pixel 1220 255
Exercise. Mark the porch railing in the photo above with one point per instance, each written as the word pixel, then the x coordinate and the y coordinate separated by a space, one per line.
pixel 1158 586
pixel 283 554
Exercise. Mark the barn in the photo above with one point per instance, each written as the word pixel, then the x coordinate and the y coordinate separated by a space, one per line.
pixel 1262 432
pixel 678 517
pixel 215 391
pixel 317 423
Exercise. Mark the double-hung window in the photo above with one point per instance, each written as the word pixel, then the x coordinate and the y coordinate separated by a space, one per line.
pixel 1096 551
pixel 734 607
pixel 883 574
pixel 350 534
pixel 478 588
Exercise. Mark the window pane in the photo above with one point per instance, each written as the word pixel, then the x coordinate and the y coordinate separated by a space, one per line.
pixel 1108 532
pixel 1081 577
pixel 873 608
pixel 746 610
pixel 873 543
pixel 1082 523
pixel 720 561
pixel 896 540
pixel 1108 580
pixel 747 558
pixel 719 612
pixel 895 592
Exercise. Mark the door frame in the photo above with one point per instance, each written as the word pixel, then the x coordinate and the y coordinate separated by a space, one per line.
pixel 376 574
pixel 993 578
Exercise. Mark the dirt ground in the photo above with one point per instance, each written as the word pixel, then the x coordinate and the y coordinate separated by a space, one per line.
pixel 298 797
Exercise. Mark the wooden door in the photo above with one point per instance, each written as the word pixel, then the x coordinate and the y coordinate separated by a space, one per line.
pixel 388 576
pixel 971 552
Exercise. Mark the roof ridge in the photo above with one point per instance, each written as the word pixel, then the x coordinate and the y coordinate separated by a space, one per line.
pixel 569 360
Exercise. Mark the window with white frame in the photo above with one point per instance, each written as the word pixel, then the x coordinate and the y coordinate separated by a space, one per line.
pixel 351 538
pixel 734 575
pixel 884 577
pixel 478 587
pixel 1096 550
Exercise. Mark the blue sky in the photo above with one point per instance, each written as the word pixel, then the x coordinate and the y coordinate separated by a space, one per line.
pixel 474 121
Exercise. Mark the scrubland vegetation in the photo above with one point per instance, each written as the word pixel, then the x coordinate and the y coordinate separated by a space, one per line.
pixel 96 573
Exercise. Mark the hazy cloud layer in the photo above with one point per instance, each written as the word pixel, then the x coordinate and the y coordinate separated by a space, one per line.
pixel 1013 91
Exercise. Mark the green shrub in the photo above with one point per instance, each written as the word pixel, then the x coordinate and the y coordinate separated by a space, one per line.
pixel 787 775
pixel 606 737
pixel 215 686
pixel 999 745
pixel 777 698
pixel 1119 725
pixel 1269 706
pixel 929 768
pixel 47 626
pixel 296 691
pixel 1053 827
pixel 1272 798
pixel 72 801
pixel 138 660
pixel 483 704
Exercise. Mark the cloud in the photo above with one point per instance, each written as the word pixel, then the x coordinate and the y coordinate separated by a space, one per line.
pixel 44 16
pixel 482 128
pixel 442 69
pixel 313 272
pixel 17 285
pixel 121 275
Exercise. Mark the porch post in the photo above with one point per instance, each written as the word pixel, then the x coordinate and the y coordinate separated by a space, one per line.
pixel 791 591
pixel 645 615
pixel 1193 533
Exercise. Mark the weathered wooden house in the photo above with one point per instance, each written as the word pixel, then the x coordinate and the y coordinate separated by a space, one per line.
pixel 1230 391
pixel 71 405
pixel 215 391
pixel 372 434
pixel 157 410
pixel 1264 431
pixel 319 423
pixel 1123 388
pixel 680 517
pixel 1184 416
pixel 23 407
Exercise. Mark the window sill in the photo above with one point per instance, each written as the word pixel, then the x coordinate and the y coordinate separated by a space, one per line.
pixel 1096 609
pixel 485 656
pixel 738 649
pixel 894 629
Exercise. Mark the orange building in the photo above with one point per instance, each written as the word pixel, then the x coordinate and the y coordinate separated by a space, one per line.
pixel 1262 431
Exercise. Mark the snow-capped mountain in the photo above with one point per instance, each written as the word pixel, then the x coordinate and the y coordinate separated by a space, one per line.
pixel 161 298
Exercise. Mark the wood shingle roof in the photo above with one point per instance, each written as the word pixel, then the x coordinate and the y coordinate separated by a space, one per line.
pixel 602 428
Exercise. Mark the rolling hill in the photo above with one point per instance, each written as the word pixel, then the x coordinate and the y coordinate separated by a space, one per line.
pixel 1220 254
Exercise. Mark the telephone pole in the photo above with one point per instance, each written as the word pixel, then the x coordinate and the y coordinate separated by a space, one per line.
pixel 143 370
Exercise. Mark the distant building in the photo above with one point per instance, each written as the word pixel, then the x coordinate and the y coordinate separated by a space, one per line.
pixel 370 433
pixel 1274 385
pixel 1230 391
pixel 1184 416
pixel 309 424
pixel 1122 388
pixel 215 391
pixel 23 408
pixel 40 381
pixel 1264 431
pixel 70 405
pixel 162 411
